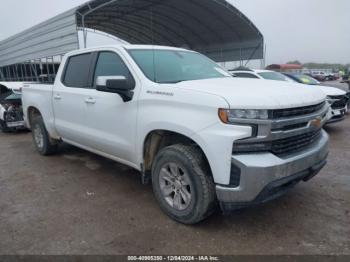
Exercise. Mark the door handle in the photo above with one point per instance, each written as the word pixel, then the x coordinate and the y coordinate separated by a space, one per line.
pixel 57 97
pixel 90 100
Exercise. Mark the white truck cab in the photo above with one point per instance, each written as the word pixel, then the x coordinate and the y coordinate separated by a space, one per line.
pixel 201 136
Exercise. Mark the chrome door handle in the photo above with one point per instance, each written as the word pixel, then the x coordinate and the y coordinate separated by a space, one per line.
pixel 90 100
pixel 57 97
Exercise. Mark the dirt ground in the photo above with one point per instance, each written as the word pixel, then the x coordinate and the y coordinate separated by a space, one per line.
pixel 80 203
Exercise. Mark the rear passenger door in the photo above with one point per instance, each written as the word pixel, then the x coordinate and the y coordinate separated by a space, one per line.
pixel 69 97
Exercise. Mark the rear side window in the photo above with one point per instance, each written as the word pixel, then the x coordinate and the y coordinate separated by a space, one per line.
pixel 245 75
pixel 77 71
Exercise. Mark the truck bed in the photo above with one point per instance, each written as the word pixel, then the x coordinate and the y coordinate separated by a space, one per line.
pixel 38 96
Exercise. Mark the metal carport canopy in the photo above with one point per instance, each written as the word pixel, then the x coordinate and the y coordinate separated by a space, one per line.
pixel 213 27
pixel 55 36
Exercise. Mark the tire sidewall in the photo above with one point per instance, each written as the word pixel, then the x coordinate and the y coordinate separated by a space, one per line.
pixel 39 123
pixel 172 156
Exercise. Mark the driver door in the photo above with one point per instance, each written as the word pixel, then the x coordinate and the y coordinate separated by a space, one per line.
pixel 111 122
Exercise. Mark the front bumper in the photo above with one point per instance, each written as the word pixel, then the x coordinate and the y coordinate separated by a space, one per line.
pixel 265 176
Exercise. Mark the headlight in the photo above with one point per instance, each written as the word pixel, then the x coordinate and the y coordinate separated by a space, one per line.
pixel 228 116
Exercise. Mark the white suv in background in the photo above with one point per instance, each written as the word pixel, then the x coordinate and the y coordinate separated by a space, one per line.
pixel 336 97
pixel 260 74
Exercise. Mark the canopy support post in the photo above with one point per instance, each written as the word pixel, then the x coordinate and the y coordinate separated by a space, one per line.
pixel 91 10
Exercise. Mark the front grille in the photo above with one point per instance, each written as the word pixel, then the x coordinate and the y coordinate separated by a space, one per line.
pixel 279 147
pixel 340 103
pixel 295 143
pixel 299 111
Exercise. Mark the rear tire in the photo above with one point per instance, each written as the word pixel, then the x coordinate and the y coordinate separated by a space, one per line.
pixel 42 141
pixel 183 185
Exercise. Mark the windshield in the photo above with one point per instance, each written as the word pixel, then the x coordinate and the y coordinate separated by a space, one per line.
pixel 307 80
pixel 274 76
pixel 173 66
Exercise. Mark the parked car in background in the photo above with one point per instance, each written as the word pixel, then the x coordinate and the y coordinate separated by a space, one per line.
pixel 199 135
pixel 302 79
pixel 346 79
pixel 322 76
pixel 11 113
pixel 338 99
pixel 259 74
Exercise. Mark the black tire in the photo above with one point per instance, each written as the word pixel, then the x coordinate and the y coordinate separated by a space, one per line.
pixel 46 146
pixel 191 162
pixel 3 127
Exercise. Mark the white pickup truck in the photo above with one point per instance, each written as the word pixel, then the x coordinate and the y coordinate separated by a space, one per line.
pixel 201 136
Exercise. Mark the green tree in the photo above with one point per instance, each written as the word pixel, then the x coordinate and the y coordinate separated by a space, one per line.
pixel 296 62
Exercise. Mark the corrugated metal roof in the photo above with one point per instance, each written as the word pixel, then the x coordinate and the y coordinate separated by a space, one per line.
pixel 52 37
pixel 213 27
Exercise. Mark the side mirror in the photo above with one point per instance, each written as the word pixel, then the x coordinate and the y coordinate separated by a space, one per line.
pixel 116 84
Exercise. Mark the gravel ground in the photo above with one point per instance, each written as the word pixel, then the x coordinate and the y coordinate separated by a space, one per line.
pixel 80 203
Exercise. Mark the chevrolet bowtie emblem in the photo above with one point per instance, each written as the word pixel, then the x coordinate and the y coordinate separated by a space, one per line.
pixel 317 122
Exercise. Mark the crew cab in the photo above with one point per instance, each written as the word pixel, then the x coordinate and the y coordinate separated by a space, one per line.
pixel 11 113
pixel 199 135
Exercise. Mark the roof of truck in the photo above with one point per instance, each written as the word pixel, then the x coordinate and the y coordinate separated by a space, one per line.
pixel 128 47
pixel 154 47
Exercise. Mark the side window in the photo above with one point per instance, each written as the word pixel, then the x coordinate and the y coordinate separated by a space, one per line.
pixel 245 75
pixel 77 71
pixel 110 64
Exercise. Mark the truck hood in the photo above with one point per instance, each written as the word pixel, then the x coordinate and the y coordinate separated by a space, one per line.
pixel 332 91
pixel 243 93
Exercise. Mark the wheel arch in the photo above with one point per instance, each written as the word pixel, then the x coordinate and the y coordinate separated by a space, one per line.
pixel 157 139
pixel 32 111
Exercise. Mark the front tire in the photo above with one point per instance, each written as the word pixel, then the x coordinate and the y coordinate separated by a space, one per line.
pixel 43 143
pixel 183 185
